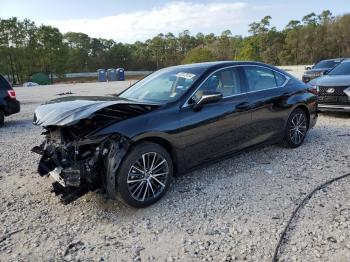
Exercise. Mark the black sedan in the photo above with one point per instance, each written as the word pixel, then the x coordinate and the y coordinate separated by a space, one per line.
pixel 334 89
pixel 320 69
pixel 170 122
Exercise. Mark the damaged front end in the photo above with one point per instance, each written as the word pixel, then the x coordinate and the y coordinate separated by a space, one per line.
pixel 77 166
pixel 78 161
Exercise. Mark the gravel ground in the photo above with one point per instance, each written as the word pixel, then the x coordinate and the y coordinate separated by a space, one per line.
pixel 233 210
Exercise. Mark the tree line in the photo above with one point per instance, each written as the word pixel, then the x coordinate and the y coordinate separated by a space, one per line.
pixel 26 48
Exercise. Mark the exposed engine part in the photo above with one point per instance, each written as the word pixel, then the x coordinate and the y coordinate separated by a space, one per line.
pixel 72 177
pixel 78 166
pixel 56 174
pixel 56 136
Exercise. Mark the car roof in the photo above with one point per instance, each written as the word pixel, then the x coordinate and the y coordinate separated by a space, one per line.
pixel 219 64
pixel 334 59
pixel 212 66
pixel 346 60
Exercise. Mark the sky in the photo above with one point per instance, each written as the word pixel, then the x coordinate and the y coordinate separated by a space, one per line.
pixel 138 20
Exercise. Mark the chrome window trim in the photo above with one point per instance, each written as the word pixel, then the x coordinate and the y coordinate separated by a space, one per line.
pixel 186 104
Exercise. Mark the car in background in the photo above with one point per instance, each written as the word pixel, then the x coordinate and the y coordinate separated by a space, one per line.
pixel 8 103
pixel 30 84
pixel 172 121
pixel 320 69
pixel 334 88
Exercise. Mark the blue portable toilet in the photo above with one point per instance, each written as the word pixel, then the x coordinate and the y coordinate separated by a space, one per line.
pixel 112 74
pixel 101 75
pixel 121 74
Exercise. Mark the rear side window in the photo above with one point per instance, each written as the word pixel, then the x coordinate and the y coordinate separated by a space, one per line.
pixel 260 78
pixel 280 79
pixel 4 84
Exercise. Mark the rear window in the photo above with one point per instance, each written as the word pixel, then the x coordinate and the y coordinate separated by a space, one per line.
pixel 4 84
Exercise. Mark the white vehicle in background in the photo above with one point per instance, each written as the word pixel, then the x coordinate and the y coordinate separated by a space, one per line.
pixel 30 84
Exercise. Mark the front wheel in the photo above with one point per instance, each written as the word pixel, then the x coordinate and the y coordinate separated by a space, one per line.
pixel 296 129
pixel 145 175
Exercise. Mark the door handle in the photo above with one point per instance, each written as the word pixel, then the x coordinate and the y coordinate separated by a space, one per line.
pixel 243 105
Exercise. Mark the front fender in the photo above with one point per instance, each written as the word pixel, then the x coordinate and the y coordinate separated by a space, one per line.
pixel 157 123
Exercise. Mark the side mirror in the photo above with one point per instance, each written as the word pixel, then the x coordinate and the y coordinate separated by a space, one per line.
pixel 206 98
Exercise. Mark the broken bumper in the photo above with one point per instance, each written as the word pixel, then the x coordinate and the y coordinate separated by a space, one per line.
pixel 82 166
pixel 72 177
pixel 66 177
pixel 67 184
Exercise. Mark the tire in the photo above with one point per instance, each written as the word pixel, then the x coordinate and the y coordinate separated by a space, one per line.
pixel 296 129
pixel 2 118
pixel 138 185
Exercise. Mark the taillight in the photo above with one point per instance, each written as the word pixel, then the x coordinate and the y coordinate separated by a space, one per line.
pixel 11 93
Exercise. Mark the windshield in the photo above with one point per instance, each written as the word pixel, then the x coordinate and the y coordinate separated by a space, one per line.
pixel 164 86
pixel 341 69
pixel 326 64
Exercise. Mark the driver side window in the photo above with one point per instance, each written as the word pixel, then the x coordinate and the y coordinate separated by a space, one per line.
pixel 226 81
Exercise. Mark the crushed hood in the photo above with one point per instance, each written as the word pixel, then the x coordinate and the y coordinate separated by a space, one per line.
pixel 70 110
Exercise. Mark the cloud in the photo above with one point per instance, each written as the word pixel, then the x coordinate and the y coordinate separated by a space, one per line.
pixel 171 17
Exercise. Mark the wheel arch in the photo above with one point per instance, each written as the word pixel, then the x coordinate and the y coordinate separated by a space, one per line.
pixel 168 146
pixel 306 110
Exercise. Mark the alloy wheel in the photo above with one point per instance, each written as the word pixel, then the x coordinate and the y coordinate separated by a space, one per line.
pixel 298 128
pixel 147 177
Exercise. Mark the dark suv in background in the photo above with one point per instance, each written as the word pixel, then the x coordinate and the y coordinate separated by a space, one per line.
pixel 8 102
pixel 321 68
pixel 334 88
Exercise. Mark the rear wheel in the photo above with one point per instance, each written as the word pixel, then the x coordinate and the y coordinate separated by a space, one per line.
pixel 2 117
pixel 145 175
pixel 296 129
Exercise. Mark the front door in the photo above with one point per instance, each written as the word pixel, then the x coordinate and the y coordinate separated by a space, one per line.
pixel 220 127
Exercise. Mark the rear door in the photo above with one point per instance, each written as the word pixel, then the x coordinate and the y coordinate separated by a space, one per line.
pixel 268 96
